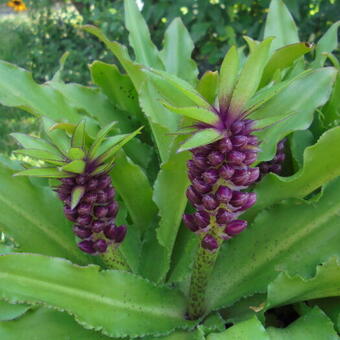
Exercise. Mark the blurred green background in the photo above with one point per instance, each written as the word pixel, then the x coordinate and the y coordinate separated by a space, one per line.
pixel 35 39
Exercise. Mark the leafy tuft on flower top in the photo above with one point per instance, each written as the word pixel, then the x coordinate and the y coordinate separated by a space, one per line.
pixel 86 190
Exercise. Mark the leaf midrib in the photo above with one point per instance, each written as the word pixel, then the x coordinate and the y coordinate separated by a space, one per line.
pixel 86 295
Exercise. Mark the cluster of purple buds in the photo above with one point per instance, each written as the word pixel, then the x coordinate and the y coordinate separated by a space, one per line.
pixel 94 213
pixel 218 173
pixel 275 165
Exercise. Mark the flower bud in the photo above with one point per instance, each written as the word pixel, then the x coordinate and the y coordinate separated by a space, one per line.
pixel 193 196
pixel 224 145
pixel 103 182
pixel 223 194
pixel 101 196
pixel 82 232
pixel 84 220
pixel 237 127
pixel 110 193
pixel 98 226
pixel 200 161
pixel 239 141
pixel 210 176
pixel 209 202
pixel 251 157
pixel 202 219
pixel 100 211
pixel 253 140
pixel 70 214
pixel 112 209
pixel 90 197
pixel 223 216
pixel 235 227
pixel 92 184
pixel 236 157
pixel 84 209
pixel 87 246
pixel 239 198
pixel 241 177
pixel 209 243
pixel 254 174
pixel 226 172
pixel 100 245
pixel 250 201
pixel 276 168
pixel 189 222
pixel 215 158
pixel 70 181
pixel 81 179
pixel 200 186
pixel 120 233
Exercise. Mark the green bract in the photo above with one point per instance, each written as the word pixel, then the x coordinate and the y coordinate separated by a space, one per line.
pixel 285 263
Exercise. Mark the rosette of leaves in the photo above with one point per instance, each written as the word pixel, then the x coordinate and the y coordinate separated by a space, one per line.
pixel 82 166
pixel 265 278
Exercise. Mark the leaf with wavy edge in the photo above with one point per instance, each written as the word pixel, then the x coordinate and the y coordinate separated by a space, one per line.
pixel 43 324
pixel 302 235
pixel 9 311
pixel 176 54
pixel 125 304
pixel 33 216
pixel 318 168
pixel 286 289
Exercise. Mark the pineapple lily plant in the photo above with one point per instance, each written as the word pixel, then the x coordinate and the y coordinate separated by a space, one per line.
pixel 218 220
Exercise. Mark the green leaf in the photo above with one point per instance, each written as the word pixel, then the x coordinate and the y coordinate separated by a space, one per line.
pixel 43 155
pixel 134 187
pixel 312 326
pixel 100 138
pixel 10 311
pixel 207 86
pixel 76 195
pixel 303 235
pixel 283 58
pixel 281 25
pixel 33 217
pixel 29 142
pixel 76 153
pixel 175 90
pixel 44 323
pixel 112 151
pixel 180 335
pixel 200 138
pixel 331 110
pixel 78 136
pixel 228 77
pixel 41 100
pixel 43 172
pixel 286 289
pixel 197 113
pixel 318 169
pixel 327 43
pixel 169 196
pixel 126 305
pixel 251 329
pixel 57 136
pixel 331 306
pixel 77 166
pixel 139 37
pixel 176 54
pixel 249 78
pixel 299 141
pixel 307 92
pixel 118 87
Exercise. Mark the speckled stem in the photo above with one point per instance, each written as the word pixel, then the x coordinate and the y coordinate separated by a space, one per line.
pixel 204 264
pixel 114 259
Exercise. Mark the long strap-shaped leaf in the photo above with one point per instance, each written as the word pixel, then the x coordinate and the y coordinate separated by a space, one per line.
pixel 292 237
pixel 118 303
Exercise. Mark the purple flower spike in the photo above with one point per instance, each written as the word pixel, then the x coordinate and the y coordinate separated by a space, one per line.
pixel 189 222
pixel 200 161
pixel 210 177
pixel 239 141
pixel 92 184
pixel 87 246
pixel 251 157
pixel 193 196
pixel 254 174
pixel 91 197
pixel 209 243
pixel 223 194
pixel 101 196
pixel 239 198
pixel 110 193
pixel 103 182
pixel 237 127
pixel 235 227
pixel 250 201
pixel 241 177
pixel 84 220
pixel 100 245
pixel 112 210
